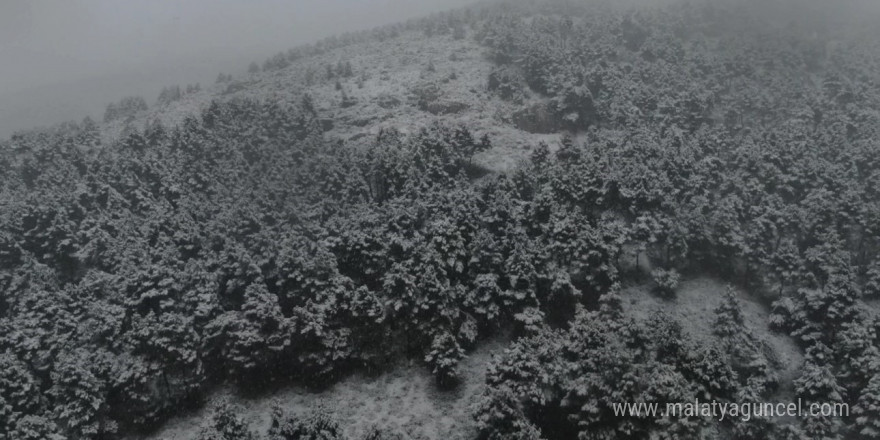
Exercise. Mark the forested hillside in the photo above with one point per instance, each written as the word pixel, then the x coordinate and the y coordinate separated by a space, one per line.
pixel 407 193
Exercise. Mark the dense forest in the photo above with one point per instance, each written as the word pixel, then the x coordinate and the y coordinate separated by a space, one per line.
pixel 243 246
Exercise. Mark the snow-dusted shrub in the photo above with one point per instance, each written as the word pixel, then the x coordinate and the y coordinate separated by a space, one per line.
pixel 666 281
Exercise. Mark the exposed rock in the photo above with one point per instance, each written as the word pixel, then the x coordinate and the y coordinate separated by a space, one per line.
pixel 536 118
pixel 388 101
pixel 363 121
pixel 445 107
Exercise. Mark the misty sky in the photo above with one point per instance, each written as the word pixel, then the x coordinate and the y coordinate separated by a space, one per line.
pixel 63 59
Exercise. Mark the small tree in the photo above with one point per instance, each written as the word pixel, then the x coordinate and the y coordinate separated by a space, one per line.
pixel 443 359
pixel 666 281
pixel 872 279
pixel 817 384
pixel 318 426
pixel 728 316
pixel 867 410
pixel 227 425
pixel 329 71
pixel 458 32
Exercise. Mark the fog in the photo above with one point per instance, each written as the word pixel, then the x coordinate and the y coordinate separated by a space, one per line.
pixel 65 59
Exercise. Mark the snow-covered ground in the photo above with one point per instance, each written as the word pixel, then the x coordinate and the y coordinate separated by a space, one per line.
pixel 694 308
pixel 404 400
pixel 384 73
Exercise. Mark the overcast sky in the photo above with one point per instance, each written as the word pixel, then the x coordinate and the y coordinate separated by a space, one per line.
pixel 62 59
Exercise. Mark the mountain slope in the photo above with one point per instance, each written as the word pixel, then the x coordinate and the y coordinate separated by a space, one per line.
pixel 581 177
